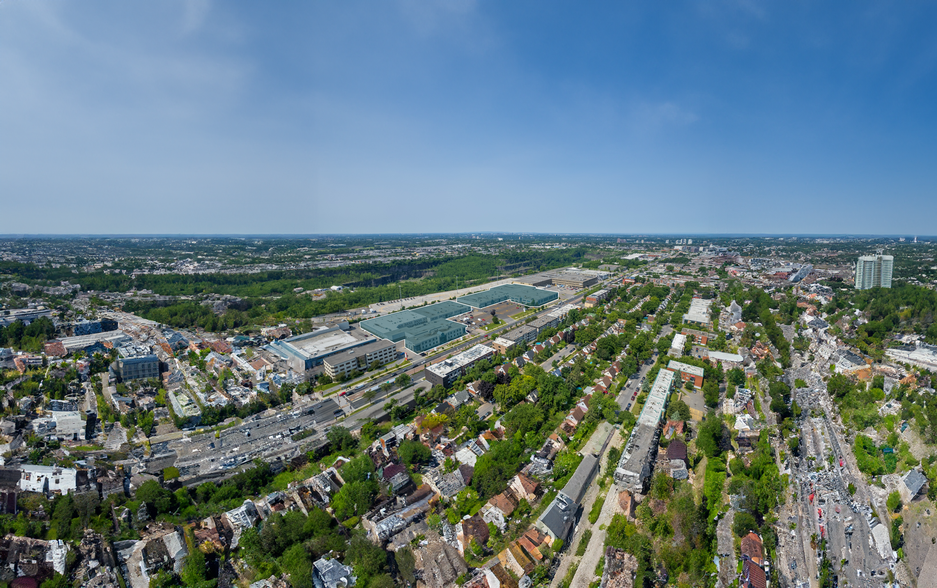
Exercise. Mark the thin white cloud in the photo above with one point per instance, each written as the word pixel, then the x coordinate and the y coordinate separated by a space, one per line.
pixel 194 14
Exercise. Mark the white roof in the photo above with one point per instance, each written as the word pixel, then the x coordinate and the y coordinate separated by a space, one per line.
pixel 679 340
pixel 654 407
pixel 34 478
pixel 699 311
pixel 722 356
pixel 457 361
pixel 685 368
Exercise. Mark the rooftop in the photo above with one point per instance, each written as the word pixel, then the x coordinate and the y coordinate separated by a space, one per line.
pixel 422 327
pixel 699 311
pixel 679 366
pixel 463 359
pixel 519 293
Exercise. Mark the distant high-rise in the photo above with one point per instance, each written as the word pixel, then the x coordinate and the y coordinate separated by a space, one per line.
pixel 874 271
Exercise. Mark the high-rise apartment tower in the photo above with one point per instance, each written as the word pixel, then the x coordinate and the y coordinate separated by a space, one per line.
pixel 874 271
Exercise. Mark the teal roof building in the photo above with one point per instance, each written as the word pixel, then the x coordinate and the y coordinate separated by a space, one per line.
pixel 421 328
pixel 519 293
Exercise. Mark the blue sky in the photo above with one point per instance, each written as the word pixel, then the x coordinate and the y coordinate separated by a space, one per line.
pixel 418 116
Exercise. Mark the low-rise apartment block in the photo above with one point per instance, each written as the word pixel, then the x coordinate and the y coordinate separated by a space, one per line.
pixel 449 370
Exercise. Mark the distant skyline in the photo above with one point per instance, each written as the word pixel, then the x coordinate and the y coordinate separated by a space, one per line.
pixel 241 118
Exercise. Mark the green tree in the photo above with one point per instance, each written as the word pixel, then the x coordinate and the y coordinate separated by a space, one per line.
pixel 713 436
pixel 156 497
pixel 679 410
pixel 894 502
pixel 296 563
pixel 354 499
pixel 495 468
pixel 406 563
pixel 367 559
pixel 523 418
pixel 413 452
pixel 341 438
pixel 359 469
pixel 736 376
pixel 743 523
pixel 711 392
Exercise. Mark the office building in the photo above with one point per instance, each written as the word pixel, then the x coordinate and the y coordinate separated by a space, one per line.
pixel 449 370
pixel 142 367
pixel 361 358
pixel 309 350
pixel 569 277
pixel 802 273
pixel 874 271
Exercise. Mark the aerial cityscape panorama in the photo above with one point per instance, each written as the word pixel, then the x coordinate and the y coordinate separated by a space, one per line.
pixel 470 294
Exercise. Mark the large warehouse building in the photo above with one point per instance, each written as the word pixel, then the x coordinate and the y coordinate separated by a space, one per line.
pixel 571 277
pixel 519 293
pixel 421 328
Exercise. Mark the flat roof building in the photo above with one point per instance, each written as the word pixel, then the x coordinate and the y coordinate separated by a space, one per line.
pixel 8 316
pixel 572 277
pixel 449 370
pixel 142 367
pixel 676 347
pixel 595 298
pixel 689 373
pixel 519 293
pixel 502 345
pixel 421 328
pixel 82 342
pixel 637 458
pixel 48 479
pixel 874 271
pixel 698 313
pixel 521 334
pixel 306 351
pixel 361 357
